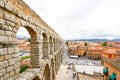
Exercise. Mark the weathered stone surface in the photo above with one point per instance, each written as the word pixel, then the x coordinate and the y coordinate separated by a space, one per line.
pixel 15 55
pixel 2 32
pixel 5 63
pixel 3 38
pixel 2 71
pixel 12 17
pixel 16 49
pixel 10 23
pixel 1 65
pixel 8 56
pixel 6 15
pixel 1 12
pixel 15 30
pixel 15 76
pixel 17 70
pixel 10 50
pixel 9 68
pixel 8 7
pixel 25 17
pixel 2 21
pixel 19 14
pixel 16 59
pixel 14 11
pixel 10 78
pixel 12 73
pixel 5 27
pixel 3 51
pixel 11 61
pixel 10 38
pixel 8 33
pixel 2 58
pixel 1 78
pixel 2 3
pixel 16 65
pixel 10 28
pixel 17 27
pixel 6 76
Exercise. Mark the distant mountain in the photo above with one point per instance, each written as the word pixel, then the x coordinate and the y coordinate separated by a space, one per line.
pixel 96 40
pixel 21 37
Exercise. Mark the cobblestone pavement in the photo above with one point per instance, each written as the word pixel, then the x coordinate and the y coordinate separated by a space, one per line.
pixel 64 73
pixel 61 75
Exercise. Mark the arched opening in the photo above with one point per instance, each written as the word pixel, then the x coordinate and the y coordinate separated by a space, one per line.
pixel 55 64
pixel 45 45
pixel 47 72
pixel 53 69
pixel 54 43
pixel 51 45
pixel 23 39
pixel 36 78
pixel 26 37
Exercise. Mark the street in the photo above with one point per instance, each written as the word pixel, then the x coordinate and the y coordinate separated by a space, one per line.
pixel 66 73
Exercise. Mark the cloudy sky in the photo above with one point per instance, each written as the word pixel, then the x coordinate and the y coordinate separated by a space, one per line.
pixel 80 19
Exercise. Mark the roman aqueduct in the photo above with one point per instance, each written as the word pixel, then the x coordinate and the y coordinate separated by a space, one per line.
pixel 46 53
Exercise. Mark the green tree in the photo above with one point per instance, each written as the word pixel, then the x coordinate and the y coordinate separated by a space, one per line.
pixel 23 68
pixel 67 42
pixel 29 39
pixel 110 45
pixel 104 43
pixel 85 43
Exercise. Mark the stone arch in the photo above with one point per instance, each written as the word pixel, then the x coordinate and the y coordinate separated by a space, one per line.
pixel 33 45
pixel 47 72
pixel 36 78
pixel 33 34
pixel 16 13
pixel 51 45
pixel 58 60
pixel 53 69
pixel 56 64
pixel 54 44
pixel 45 45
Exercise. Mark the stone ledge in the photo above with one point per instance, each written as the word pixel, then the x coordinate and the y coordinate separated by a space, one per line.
pixel 29 74
pixel 7 44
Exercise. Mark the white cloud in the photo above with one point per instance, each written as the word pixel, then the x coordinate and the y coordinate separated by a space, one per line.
pixel 75 19
pixel 22 32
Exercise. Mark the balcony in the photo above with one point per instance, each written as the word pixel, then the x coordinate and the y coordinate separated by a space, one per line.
pixel 112 77
pixel 105 71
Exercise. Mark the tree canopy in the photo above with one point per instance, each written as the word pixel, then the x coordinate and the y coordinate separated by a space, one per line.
pixel 104 43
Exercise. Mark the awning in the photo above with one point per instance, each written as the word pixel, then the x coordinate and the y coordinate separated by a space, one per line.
pixel 113 76
pixel 105 70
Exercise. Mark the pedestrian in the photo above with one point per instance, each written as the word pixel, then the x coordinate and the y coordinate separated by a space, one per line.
pixel 73 74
